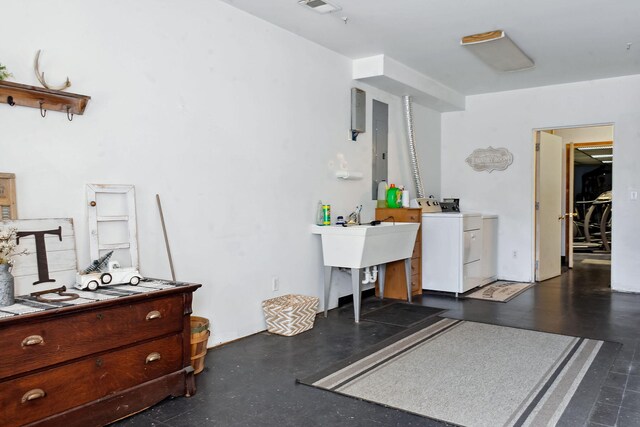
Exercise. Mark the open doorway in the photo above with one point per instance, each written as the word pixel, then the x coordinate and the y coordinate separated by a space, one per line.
pixel 574 203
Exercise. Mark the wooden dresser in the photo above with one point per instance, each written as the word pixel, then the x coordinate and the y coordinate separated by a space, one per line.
pixel 395 284
pixel 94 363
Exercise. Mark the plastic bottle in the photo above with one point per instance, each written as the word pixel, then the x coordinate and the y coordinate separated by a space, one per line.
pixel 382 194
pixel 319 214
pixel 326 214
pixel 394 197
pixel 405 198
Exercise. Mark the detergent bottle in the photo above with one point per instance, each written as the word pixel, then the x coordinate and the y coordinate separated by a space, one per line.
pixel 394 197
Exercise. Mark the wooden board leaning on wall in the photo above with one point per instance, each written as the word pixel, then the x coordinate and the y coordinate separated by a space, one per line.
pixel 8 206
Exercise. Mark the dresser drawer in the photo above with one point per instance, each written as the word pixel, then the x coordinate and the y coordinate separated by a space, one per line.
pixel 416 284
pixel 415 266
pixel 35 345
pixel 36 396
pixel 417 249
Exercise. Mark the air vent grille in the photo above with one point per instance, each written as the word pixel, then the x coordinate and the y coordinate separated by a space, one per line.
pixel 319 6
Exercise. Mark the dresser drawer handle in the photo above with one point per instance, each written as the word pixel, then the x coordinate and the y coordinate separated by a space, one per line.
pixel 34 394
pixel 152 357
pixel 155 314
pixel 32 340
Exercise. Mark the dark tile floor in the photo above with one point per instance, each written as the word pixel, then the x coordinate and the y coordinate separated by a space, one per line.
pixel 251 382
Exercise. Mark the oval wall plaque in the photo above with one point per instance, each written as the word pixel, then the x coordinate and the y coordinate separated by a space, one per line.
pixel 490 159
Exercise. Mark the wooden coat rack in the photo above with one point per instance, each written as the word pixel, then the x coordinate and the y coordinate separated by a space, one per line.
pixel 43 99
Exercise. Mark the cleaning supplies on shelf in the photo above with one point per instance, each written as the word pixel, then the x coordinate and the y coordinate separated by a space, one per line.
pixel 326 214
pixel 394 197
pixel 319 214
pixel 382 194
pixel 405 198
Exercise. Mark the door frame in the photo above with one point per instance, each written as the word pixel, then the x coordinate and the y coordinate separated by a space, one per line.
pixel 534 185
pixel 569 180
pixel 569 193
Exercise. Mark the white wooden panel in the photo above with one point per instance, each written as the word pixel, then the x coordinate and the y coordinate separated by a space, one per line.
pixel 61 256
pixel 57 261
pixel 113 218
pixel 108 203
pixel 113 246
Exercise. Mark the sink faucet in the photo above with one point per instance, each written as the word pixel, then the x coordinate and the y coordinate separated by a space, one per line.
pixel 354 217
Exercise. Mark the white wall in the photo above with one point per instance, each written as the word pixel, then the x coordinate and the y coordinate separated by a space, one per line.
pixel 507 119
pixel 427 133
pixel 237 124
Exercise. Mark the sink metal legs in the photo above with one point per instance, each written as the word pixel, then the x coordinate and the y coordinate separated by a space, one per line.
pixel 327 288
pixel 382 269
pixel 382 274
pixel 407 271
pixel 356 284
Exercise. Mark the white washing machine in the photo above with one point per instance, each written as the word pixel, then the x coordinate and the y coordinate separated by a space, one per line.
pixel 452 247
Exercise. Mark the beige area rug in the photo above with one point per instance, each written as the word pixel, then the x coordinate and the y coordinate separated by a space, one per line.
pixel 477 375
pixel 596 261
pixel 500 291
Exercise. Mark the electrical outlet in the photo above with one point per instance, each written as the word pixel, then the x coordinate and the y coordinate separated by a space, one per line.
pixel 275 284
pixel 515 254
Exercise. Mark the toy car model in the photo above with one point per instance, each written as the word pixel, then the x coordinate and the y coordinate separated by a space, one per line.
pixel 115 275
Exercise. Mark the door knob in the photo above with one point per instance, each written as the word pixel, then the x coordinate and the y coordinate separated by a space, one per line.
pixel 572 215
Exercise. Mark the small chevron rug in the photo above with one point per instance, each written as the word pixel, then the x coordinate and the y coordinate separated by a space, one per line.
pixel 475 374
pixel 500 291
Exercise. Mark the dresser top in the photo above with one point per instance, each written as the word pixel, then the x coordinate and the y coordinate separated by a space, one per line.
pixel 27 304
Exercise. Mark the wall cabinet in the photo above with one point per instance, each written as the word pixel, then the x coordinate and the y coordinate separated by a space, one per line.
pixel 455 258
pixel 395 286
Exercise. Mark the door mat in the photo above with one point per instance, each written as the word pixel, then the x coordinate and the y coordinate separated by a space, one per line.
pixel 401 314
pixel 596 261
pixel 475 374
pixel 500 291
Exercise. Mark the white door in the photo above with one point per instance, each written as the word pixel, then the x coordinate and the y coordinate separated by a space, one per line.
pixel 548 205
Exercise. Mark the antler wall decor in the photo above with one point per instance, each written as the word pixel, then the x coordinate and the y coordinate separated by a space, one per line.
pixel 40 75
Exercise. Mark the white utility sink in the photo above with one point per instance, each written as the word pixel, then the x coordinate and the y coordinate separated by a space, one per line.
pixel 360 246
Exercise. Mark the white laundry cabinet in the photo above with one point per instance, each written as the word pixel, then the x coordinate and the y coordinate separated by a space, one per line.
pixel 454 255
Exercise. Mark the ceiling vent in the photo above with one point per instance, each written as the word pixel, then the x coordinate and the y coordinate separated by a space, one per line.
pixel 497 50
pixel 319 6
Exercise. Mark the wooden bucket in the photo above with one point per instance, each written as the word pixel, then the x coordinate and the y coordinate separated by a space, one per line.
pixel 199 336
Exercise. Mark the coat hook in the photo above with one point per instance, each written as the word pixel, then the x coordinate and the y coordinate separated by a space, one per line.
pixel 69 114
pixel 43 112
pixel 10 101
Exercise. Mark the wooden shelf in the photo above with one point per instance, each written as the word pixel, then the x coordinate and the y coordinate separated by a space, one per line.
pixel 36 97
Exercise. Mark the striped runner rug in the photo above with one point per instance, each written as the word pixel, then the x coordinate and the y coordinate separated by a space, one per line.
pixel 475 374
